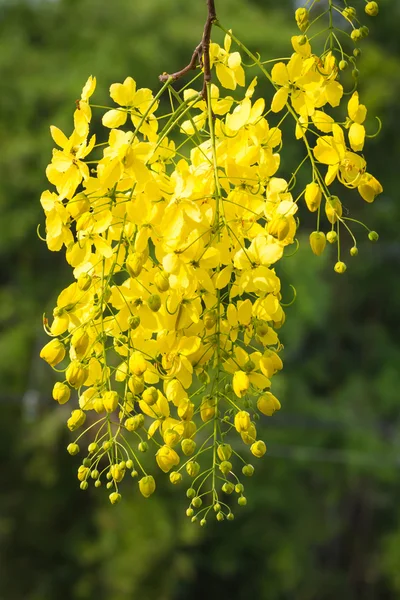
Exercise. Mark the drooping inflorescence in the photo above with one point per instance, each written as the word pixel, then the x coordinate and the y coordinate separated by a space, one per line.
pixel 173 226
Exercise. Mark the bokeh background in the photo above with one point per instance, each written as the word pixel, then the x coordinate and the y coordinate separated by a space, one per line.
pixel 323 518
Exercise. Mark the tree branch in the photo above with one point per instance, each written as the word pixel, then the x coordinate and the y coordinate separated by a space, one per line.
pixel 201 54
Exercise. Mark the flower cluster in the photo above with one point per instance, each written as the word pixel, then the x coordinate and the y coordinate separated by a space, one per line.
pixel 173 228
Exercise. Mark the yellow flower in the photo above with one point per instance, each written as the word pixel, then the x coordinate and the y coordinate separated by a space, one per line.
pixel 241 383
pixel 76 374
pixel 242 421
pixel 267 404
pixel 258 449
pixel 110 401
pixel 228 66
pixel 357 115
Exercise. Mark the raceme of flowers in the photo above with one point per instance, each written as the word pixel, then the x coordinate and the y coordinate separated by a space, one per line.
pixel 166 340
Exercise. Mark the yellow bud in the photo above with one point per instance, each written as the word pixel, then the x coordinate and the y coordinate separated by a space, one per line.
pixel 240 383
pixel 98 404
pixel 210 319
pixel 134 322
pixel 317 242
pixel 175 477
pixel 207 408
pixel 161 281
pixel 137 364
pixel 192 468
pixel 150 395
pixel 356 35
pixel 188 446
pixel 225 467
pixel 313 196
pixel 110 401
pixel 186 410
pixel 80 342
pixel 372 9
pixel 333 209
pixel 154 302
pixel 117 473
pixel 134 263
pixel 242 421
pixel 301 16
pixel 53 352
pixel 84 282
pixel 136 384
pixel 349 13
pixel 82 472
pixel 171 437
pixel 224 451
pixel 258 449
pixel 279 227
pixel 340 267
pixel 166 458
pixel 77 418
pixel 332 237
pixel 249 436
pixel 134 423
pixel 267 404
pixel 189 429
pixel 147 486
pixel 61 392
pixel 114 497
pixel 76 374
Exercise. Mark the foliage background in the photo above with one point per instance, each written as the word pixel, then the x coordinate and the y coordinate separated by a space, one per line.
pixel 323 515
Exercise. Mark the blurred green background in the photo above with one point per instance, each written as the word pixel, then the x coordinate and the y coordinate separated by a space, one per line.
pixel 323 518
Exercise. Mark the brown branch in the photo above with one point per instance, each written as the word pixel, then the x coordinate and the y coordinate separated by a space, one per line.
pixel 201 54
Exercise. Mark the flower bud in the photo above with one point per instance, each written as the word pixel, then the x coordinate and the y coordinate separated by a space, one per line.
pixel 242 501
pixel 364 31
pixel 333 209
pixel 110 401
pixel 143 447
pixel 150 396
pixel 161 281
pixel 73 449
pixel 76 374
pixel 332 237
pixel 224 451
pixel 114 497
pixel 267 404
pixel 239 488
pixel 242 421
pixel 249 436
pixel 372 9
pixel 166 458
pixel 84 485
pixel 210 319
pixel 349 13
pixel 301 16
pixel 61 392
pixel 356 35
pixel 207 408
pixel 93 447
pixel 154 302
pixel 188 446
pixel 53 352
pixel 192 468
pixel 171 437
pixel 225 467
pixel 353 251
pixel 220 516
pixel 373 236
pixel 134 263
pixel 197 502
pixel 248 470
pixel 240 383
pixel 343 64
pixel 228 487
pixel 136 384
pixel 186 410
pixel 134 322
pixel 317 242
pixel 84 282
pixel 258 449
pixel 175 477
pixel 77 418
pixel 279 227
pixel 80 342
pixel 137 364
pixel 134 423
pixel 340 267
pixel 147 486
pixel 82 472
pixel 117 473
pixel 313 196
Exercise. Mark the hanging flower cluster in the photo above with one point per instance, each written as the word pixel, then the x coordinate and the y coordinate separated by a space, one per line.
pixel 173 227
